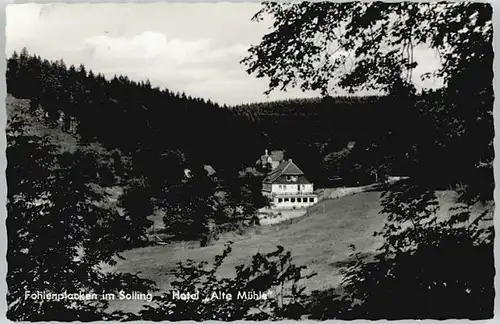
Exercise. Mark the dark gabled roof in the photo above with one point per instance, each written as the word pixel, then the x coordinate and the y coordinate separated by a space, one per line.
pixel 285 168
pixel 291 169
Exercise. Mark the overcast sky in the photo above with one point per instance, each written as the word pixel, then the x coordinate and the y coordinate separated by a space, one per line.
pixel 194 48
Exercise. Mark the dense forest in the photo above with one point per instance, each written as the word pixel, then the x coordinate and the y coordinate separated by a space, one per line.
pixel 314 131
pixel 153 134
pixel 399 134
pixel 128 115
pixel 163 131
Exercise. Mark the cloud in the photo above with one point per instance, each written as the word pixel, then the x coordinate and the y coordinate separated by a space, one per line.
pixel 201 67
pixel 185 47
pixel 182 64
pixel 145 46
pixel 151 45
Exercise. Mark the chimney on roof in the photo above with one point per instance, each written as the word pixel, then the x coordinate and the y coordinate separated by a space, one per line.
pixel 290 160
pixel 265 152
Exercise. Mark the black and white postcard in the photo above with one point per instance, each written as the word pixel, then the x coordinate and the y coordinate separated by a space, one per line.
pixel 250 161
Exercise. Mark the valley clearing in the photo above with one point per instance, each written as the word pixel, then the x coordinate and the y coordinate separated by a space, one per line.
pixel 320 241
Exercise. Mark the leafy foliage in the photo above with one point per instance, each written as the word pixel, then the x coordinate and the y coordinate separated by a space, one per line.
pixel 444 267
pixel 365 45
pixel 370 46
pixel 201 206
pixel 60 233
pixel 272 274
pixel 190 207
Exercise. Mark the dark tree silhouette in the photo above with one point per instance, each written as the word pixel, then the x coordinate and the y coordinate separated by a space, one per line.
pixel 309 44
pixel 60 233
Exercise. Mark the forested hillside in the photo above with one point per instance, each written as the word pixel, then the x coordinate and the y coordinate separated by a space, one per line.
pixel 164 132
pixel 400 134
pixel 132 116
pixel 311 130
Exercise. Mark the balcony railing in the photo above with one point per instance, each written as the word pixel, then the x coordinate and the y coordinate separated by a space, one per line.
pixel 291 194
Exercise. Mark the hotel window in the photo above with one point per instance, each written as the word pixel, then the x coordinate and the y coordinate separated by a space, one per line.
pixel 286 199
pixel 299 199
pixel 311 199
pixel 284 187
pixel 280 200
pixel 292 199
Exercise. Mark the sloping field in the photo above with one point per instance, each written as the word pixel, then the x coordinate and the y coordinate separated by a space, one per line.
pixel 317 240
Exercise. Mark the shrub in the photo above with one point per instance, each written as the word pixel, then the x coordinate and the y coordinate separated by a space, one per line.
pixel 272 273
